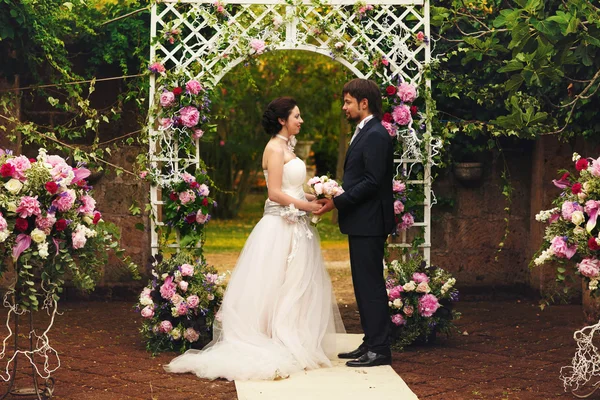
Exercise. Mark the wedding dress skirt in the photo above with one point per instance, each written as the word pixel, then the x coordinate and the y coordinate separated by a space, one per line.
pixel 278 314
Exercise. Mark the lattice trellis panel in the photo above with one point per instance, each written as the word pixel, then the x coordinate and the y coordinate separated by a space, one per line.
pixel 213 40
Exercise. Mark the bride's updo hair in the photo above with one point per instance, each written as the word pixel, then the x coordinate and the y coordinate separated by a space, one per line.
pixel 281 107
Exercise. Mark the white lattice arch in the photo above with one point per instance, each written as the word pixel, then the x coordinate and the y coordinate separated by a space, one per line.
pixel 213 42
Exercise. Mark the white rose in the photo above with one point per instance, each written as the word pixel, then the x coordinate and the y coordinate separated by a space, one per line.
pixel 4 235
pixel 586 186
pixel 38 235
pixel 398 303
pixel 174 312
pixel 577 217
pixel 582 196
pixel 43 250
pixel 176 334
pixel 11 206
pixel 423 288
pixel 14 186
pixel 410 286
pixel 146 301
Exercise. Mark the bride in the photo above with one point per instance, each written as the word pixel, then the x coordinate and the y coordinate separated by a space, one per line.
pixel 278 314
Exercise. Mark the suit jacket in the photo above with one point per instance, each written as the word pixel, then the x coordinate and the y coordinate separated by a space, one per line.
pixel 366 208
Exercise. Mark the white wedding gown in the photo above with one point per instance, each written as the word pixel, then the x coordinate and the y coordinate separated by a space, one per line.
pixel 278 314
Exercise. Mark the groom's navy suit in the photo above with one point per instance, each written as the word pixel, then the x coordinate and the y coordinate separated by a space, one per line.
pixel 366 215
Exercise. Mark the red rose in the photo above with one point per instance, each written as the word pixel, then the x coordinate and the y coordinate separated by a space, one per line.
pixel 581 164
pixel 205 202
pixel 593 245
pixel 576 188
pixel 173 196
pixel 97 217
pixel 7 170
pixel 194 185
pixel 391 90
pixel 51 187
pixel 32 160
pixel 60 225
pixel 21 224
pixel 190 219
pixel 413 110
pixel 177 91
pixel 387 117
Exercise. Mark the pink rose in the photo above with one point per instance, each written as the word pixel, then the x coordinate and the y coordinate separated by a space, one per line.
pixel 187 270
pixel 28 206
pixel 212 278
pixel 398 320
pixel 88 205
pixel 395 292
pixel 79 239
pixel 148 312
pixel 189 116
pixel 398 186
pixel 420 277
pixel 589 267
pixel 45 223
pixel 167 289
pixel 568 208
pixel 401 114
pixel 407 222
pixel 193 86
pixel 258 46
pixel 201 218
pixel 561 249
pixel 3 224
pixel 187 197
pixel 167 98
pixel 398 207
pixel 165 123
pixel 198 133
pixel 183 285
pixel 182 308
pixel 187 178
pixel 21 164
pixel 318 188
pixel 428 305
pixel 193 301
pixel 165 327
pixel 407 92
pixel 408 310
pixel 65 200
pixel 420 36
pixel 390 128
pixel 203 190
pixel 191 335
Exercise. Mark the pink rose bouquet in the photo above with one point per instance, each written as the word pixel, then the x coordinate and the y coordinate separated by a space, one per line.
pixel 178 305
pixel 323 187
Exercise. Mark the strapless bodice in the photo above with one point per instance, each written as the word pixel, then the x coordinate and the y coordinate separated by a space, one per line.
pixel 292 181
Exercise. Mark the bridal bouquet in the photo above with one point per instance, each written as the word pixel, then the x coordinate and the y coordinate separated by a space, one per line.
pixel 187 206
pixel 179 305
pixel 50 227
pixel 324 187
pixel 420 300
pixel 572 232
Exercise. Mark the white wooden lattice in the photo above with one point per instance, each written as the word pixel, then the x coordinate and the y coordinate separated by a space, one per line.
pixel 212 43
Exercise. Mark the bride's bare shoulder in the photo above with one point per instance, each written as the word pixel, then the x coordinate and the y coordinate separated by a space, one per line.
pixel 272 151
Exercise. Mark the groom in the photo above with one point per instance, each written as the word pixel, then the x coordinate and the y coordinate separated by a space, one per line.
pixel 366 215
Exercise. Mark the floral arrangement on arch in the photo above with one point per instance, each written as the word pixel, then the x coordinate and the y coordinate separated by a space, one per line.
pixel 50 227
pixel 572 233
pixel 180 303
pixel 420 300
pixel 187 207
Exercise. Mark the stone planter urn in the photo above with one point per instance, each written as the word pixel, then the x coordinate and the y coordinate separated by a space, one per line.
pixel 302 148
pixel 469 172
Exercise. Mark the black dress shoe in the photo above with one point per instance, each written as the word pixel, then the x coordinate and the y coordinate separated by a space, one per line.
pixel 370 359
pixel 351 355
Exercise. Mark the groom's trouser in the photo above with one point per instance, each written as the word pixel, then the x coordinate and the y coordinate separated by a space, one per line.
pixel 366 259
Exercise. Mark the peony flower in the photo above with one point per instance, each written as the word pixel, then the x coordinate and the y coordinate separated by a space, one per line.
pixel 407 92
pixel 167 289
pixel 191 335
pixel 28 206
pixel 407 222
pixel 398 320
pixel 277 21
pixel 148 312
pixel 212 278
pixel 189 116
pixel 3 223
pixel 392 131
pixel 88 205
pixel 581 164
pixel 187 270
pixel 398 207
pixel 79 239
pixel 561 249
pixel 157 68
pixel 65 200
pixel 193 86
pixel 187 197
pixel 20 164
pixel 258 46
pixel 401 114
pixel 589 267
pixel 187 177
pixel 419 277
pixel 201 218
pixel 395 292
pixel 428 305
pixel 193 301
pixel 183 285
pixel 398 186
pixel 568 208
pixel 198 133
pixel 167 98
pixel 165 327
pixel 182 308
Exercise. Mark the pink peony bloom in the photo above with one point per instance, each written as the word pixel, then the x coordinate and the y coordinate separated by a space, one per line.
pixel 165 123
pixel 147 312
pixel 407 222
pixel 407 92
pixel 45 223
pixel 79 239
pixel 157 68
pixel 193 86
pixel 568 208
pixel 88 205
pixel 167 289
pixel 401 114
pixel 183 285
pixel 395 292
pixel 398 186
pixel 420 36
pixel 428 305
pixel 143 174
pixel 187 178
pixel 258 46
pixel 390 128
pixel 28 206
pixel 182 308
pixel 595 168
pixel 191 335
pixel 187 197
pixel 193 301
pixel 419 277
pixel 167 98
pixel 65 200
pixel 203 190
pixel 313 181
pixel 589 267
pixel 561 249
pixel 189 116
pixel 21 164
pixel 398 207
pixel 198 133
pixel 398 319
pixel 201 218
pixel 165 327
pixel 212 278
pixel 187 270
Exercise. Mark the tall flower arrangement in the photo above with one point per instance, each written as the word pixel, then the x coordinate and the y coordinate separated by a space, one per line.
pixel 49 226
pixel 572 232
pixel 420 300
pixel 180 303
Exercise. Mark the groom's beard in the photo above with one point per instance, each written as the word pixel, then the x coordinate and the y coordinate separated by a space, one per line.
pixel 352 119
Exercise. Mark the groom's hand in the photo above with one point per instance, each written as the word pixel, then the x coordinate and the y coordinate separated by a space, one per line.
pixel 327 204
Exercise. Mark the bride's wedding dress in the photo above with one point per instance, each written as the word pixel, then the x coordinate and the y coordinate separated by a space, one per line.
pixel 278 314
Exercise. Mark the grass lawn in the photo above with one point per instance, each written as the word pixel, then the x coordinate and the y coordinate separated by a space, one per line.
pixel 226 236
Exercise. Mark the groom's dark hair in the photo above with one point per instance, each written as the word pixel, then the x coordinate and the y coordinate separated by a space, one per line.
pixel 365 89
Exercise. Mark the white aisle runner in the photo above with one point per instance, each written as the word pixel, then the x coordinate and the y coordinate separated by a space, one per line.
pixel 337 383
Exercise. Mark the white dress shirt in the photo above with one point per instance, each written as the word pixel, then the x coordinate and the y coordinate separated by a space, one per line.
pixel 361 125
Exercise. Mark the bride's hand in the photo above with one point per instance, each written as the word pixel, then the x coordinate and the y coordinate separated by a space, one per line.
pixel 314 206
